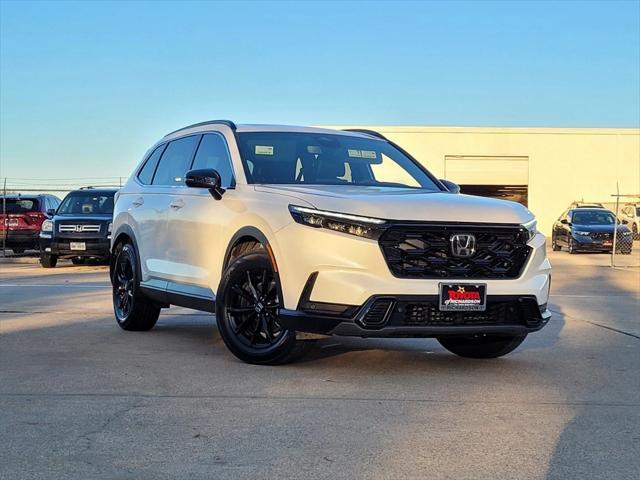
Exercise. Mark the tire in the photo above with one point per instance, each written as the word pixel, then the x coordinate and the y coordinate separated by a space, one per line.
pixel 482 346
pixel 572 246
pixel 78 261
pixel 48 261
pixel 247 312
pixel 133 311
pixel 554 245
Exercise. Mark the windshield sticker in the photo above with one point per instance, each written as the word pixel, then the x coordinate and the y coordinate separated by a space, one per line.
pixel 264 150
pixel 362 153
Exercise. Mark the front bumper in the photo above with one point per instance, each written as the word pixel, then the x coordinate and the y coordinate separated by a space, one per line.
pixel 418 316
pixel 587 244
pixel 95 247
pixel 350 270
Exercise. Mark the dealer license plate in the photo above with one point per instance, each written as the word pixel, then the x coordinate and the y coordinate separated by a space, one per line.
pixel 77 246
pixel 463 297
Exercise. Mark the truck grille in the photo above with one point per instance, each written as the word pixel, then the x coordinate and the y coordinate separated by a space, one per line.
pixel 425 251
pixel 79 228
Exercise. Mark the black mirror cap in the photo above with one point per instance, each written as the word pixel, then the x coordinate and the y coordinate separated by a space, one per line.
pixel 51 212
pixel 451 186
pixel 205 178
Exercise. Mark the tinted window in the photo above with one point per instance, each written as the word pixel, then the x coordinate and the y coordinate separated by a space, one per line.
pixel 212 153
pixel 146 174
pixel 175 161
pixel 20 205
pixel 88 203
pixel 328 159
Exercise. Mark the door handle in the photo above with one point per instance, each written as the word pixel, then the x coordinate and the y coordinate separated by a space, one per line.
pixel 177 204
pixel 138 202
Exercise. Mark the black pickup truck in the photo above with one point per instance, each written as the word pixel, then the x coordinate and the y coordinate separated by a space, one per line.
pixel 80 228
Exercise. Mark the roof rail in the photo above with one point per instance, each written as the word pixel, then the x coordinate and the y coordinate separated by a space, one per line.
pixel 228 123
pixel 373 133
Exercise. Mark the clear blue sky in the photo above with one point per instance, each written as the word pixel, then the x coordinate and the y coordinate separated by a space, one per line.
pixel 87 87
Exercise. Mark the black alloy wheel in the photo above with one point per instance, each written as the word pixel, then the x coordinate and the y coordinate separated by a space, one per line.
pixel 247 312
pixel 133 311
pixel 123 286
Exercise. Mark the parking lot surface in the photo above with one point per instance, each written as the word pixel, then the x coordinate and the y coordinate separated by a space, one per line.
pixel 82 399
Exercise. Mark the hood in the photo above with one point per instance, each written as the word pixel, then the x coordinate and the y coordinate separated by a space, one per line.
pixel 405 203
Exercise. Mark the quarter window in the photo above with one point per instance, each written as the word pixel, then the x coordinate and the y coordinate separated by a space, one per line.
pixel 213 153
pixel 146 174
pixel 175 161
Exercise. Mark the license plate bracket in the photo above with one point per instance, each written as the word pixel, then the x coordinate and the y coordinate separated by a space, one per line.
pixel 462 297
pixel 77 246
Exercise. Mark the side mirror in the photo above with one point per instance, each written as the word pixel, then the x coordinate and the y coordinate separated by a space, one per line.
pixel 205 178
pixel 625 222
pixel 452 187
pixel 564 221
pixel 51 212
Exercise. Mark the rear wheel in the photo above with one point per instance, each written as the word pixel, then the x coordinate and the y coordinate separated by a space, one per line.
pixel 482 346
pixel 133 311
pixel 247 312
pixel 48 261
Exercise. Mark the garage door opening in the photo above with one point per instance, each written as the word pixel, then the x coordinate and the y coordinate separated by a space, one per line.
pixel 506 178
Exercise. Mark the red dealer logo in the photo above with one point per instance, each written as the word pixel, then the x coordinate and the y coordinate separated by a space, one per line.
pixel 461 294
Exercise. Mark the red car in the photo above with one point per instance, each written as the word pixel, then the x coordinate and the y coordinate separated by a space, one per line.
pixel 21 218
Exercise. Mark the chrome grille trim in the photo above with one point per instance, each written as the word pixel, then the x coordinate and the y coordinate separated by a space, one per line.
pixel 79 228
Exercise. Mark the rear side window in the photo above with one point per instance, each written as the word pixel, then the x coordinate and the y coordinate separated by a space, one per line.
pixel 146 174
pixel 213 153
pixel 175 162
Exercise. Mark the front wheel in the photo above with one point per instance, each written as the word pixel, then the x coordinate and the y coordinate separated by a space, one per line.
pixel 48 261
pixel 482 346
pixel 133 310
pixel 247 313
pixel 572 246
pixel 554 244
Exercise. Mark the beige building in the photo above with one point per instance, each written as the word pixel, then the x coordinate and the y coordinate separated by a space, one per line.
pixel 544 168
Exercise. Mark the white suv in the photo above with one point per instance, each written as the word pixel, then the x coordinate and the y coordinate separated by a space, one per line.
pixel 289 233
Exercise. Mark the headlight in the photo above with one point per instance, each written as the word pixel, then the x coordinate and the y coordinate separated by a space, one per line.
pixel 357 225
pixel 47 226
pixel 580 232
pixel 627 233
pixel 532 228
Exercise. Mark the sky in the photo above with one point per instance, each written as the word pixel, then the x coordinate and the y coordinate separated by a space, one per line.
pixel 87 87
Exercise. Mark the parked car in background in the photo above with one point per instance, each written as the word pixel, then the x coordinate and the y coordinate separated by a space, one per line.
pixel 21 218
pixel 585 229
pixel 586 205
pixel 630 216
pixel 287 233
pixel 80 229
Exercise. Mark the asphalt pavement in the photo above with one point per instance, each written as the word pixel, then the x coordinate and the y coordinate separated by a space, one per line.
pixel 82 399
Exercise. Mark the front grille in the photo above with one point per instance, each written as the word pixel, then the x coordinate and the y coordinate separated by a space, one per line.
pixel 79 228
pixel 424 251
pixel 601 235
pixel 524 312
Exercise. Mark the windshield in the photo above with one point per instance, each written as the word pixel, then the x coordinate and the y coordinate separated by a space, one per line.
pixel 19 205
pixel 593 218
pixel 325 159
pixel 87 203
